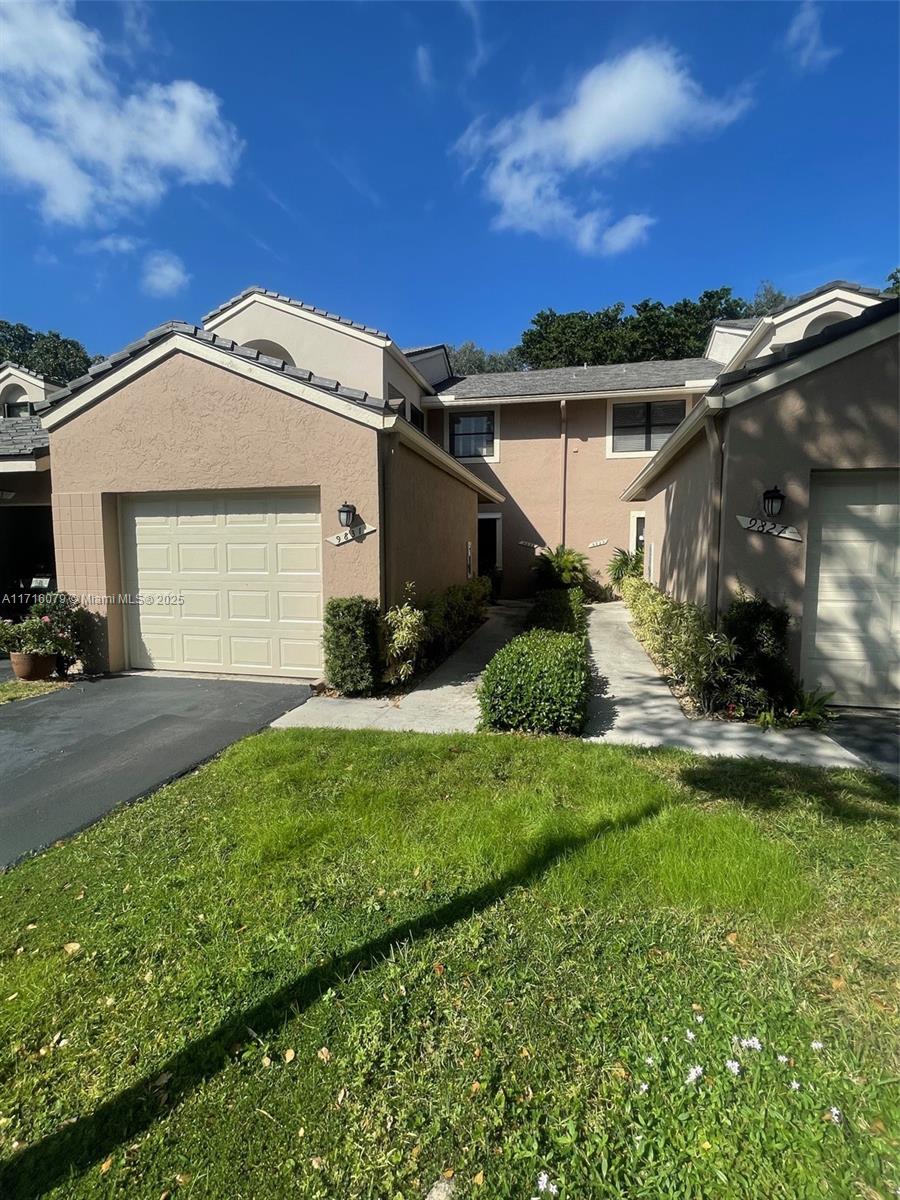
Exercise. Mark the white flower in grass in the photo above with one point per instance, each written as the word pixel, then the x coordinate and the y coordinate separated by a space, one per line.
pixel 751 1043
pixel 699 1018
pixel 836 1115
pixel 665 1040
pixel 732 1065
pixel 782 1058
pixel 649 1060
pixel 817 1046
pixel 644 1088
pixel 795 1085
pixel 544 1184
pixel 694 1074
pixel 691 1036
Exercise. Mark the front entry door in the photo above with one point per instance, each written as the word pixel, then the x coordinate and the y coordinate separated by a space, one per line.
pixel 488 545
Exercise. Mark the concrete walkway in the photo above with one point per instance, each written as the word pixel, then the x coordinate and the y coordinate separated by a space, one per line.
pixel 444 702
pixel 632 706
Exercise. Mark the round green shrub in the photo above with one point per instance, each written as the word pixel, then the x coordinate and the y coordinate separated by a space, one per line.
pixel 537 683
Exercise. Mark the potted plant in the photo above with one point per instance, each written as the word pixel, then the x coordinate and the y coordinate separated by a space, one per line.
pixel 33 646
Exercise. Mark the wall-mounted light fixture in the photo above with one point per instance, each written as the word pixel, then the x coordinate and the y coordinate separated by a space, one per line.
pixel 346 514
pixel 772 501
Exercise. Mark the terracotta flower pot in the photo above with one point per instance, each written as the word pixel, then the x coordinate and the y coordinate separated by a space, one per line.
pixel 32 667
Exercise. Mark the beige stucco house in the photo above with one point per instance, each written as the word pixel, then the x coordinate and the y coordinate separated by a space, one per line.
pixel 207 464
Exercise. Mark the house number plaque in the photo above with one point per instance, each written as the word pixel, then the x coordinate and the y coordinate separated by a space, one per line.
pixel 356 533
pixel 760 525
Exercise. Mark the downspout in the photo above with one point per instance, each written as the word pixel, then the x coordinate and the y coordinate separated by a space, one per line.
pixel 385 447
pixel 563 466
pixel 713 424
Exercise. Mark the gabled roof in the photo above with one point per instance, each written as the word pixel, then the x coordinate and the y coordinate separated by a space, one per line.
pixel 412 351
pixel 225 344
pixel 791 350
pixel 845 286
pixel 8 362
pixel 737 323
pixel 564 381
pixel 23 437
pixel 300 304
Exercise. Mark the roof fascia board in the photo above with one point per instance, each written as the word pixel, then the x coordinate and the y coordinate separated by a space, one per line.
pixel 13 466
pixel 822 300
pixel 757 335
pixel 179 342
pixel 448 400
pixel 13 370
pixel 786 372
pixel 409 367
pixel 292 310
pixel 419 442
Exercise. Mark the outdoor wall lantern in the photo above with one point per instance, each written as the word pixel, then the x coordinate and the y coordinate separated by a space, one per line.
pixel 346 514
pixel 772 501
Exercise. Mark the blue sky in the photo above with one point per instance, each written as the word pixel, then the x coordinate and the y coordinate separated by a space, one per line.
pixel 441 170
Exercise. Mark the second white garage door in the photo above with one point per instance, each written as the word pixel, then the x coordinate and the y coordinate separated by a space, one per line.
pixel 232 582
pixel 851 634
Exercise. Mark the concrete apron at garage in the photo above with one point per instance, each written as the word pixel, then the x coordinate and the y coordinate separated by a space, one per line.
pixel 72 756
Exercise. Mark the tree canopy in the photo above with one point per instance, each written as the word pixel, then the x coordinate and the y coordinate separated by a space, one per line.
pixel 50 354
pixel 469 359
pixel 893 282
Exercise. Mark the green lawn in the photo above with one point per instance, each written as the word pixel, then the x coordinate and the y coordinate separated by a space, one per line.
pixel 339 965
pixel 16 689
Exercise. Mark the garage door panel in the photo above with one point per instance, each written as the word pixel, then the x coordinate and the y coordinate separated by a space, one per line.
pixel 852 601
pixel 258 555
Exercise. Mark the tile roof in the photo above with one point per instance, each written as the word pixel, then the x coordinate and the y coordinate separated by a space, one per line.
pixel 302 305
pixel 408 350
pixel 738 323
pixel 8 362
pixel 791 350
pixel 845 284
pixel 562 381
pixel 212 339
pixel 23 437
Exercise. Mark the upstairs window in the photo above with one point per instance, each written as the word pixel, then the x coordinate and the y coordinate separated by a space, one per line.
pixel 642 427
pixel 17 408
pixel 472 434
pixel 417 417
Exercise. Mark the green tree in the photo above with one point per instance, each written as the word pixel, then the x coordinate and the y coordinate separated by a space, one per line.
pixel 893 282
pixel 50 354
pixel 767 299
pixel 469 359
pixel 651 330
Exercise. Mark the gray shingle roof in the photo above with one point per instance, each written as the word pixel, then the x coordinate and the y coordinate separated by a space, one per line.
pixel 876 293
pixel 230 347
pixel 23 437
pixel 302 305
pixel 562 381
pixel 791 350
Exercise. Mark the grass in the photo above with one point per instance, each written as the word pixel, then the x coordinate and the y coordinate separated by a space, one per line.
pixel 17 689
pixel 342 964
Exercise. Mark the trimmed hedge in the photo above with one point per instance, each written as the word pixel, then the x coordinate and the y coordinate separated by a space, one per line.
pixel 741 668
pixel 351 642
pixel 561 610
pixel 537 683
pixel 451 615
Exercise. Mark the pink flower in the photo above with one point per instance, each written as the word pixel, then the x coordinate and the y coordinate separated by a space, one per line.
pixel 46 620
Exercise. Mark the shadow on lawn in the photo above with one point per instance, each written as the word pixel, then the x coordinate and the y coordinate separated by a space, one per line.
pixel 850 796
pixel 90 1138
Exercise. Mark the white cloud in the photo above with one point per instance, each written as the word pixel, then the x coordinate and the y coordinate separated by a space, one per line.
pixel 629 231
pixel 164 274
pixel 90 148
pixel 424 67
pixel 480 52
pixel 804 39
pixel 532 162
pixel 112 243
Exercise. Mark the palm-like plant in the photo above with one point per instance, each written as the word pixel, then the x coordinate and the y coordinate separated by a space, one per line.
pixel 561 568
pixel 624 563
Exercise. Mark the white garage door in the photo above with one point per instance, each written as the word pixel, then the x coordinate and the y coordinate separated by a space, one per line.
pixel 232 582
pixel 851 633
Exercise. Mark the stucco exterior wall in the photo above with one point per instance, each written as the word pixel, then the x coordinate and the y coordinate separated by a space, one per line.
pixel 187 425
pixel 678 514
pixel 321 347
pixel 529 474
pixel 841 417
pixel 430 516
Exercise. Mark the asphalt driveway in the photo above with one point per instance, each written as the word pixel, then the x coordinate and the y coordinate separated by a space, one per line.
pixel 66 759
